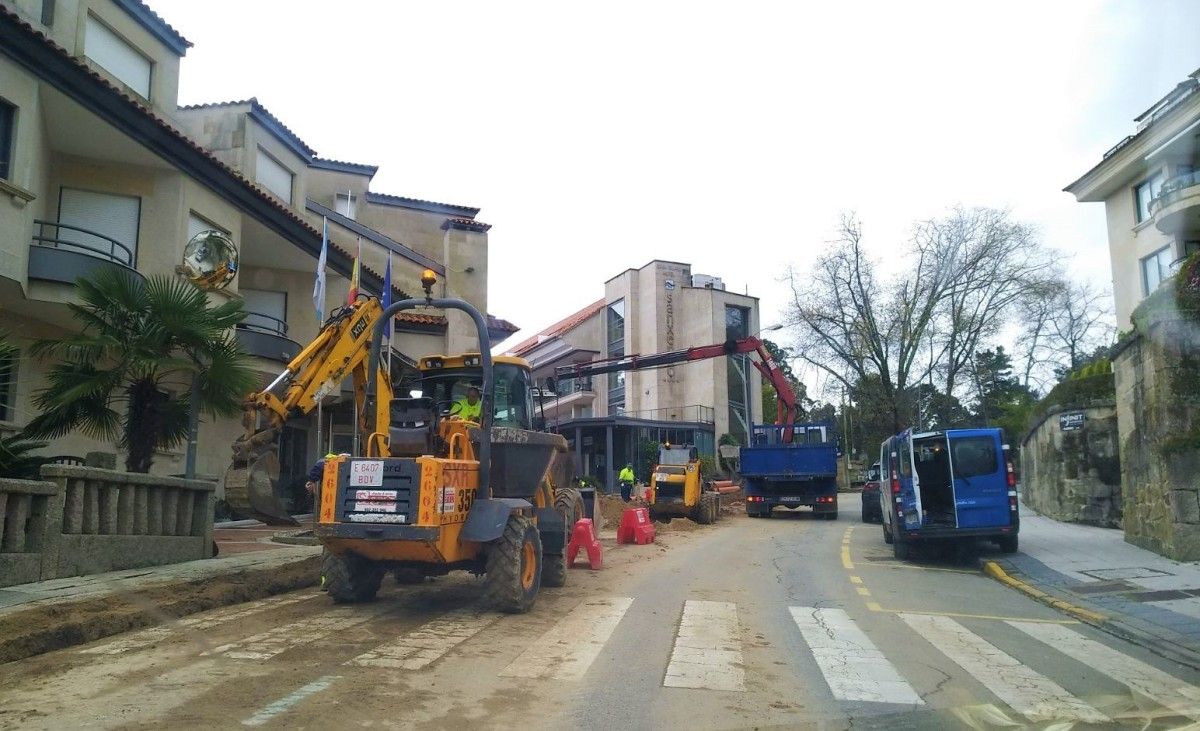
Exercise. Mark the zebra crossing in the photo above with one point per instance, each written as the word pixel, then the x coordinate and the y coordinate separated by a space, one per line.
pixel 708 651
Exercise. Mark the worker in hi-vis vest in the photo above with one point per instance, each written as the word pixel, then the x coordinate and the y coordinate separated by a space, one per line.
pixel 469 407
pixel 626 479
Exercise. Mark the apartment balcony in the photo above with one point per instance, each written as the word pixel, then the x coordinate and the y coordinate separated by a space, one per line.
pixel 62 253
pixel 568 393
pixel 266 337
pixel 1176 210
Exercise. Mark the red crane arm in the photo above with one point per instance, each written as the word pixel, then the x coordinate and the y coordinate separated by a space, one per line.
pixel 785 404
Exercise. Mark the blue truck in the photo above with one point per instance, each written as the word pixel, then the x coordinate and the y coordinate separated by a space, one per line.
pixel 790 473
pixel 950 485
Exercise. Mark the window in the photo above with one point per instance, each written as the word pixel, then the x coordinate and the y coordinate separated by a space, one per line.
pixel 117 57
pixel 47 13
pixel 737 325
pixel 346 204
pixel 267 310
pixel 272 175
pixel 114 217
pixel 1145 192
pixel 8 387
pixel 616 349
pixel 196 224
pixel 905 459
pixel 1156 268
pixel 8 128
pixel 974 456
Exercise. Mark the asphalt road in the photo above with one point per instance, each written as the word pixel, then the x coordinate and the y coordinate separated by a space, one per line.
pixel 790 622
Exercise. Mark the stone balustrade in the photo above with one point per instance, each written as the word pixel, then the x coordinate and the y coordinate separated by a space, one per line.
pixel 85 520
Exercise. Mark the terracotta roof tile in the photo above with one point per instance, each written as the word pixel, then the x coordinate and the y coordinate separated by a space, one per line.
pixel 257 107
pixel 499 323
pixel 570 322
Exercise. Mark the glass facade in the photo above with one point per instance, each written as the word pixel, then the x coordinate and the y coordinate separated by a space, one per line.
pixel 737 325
pixel 615 349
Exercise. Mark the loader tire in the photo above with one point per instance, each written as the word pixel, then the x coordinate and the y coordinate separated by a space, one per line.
pixel 568 501
pixel 554 569
pixel 704 513
pixel 350 578
pixel 514 567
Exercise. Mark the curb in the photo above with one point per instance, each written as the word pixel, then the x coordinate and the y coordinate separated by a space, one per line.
pixel 993 569
pixel 1111 625
pixel 54 626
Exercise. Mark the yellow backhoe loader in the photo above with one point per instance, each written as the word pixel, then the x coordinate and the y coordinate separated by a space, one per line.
pixel 433 491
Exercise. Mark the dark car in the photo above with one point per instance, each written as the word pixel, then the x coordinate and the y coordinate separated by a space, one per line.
pixel 872 511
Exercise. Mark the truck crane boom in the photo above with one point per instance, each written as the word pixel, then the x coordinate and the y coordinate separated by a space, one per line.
pixel 340 349
pixel 785 397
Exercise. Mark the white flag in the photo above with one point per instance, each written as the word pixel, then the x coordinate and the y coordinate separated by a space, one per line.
pixel 319 285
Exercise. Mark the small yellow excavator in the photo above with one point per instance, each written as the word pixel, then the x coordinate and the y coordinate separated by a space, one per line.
pixel 677 490
pixel 432 492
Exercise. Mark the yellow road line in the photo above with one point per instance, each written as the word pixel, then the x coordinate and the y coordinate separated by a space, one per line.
pixel 993 569
pixel 846 562
pixel 890 565
pixel 863 591
pixel 855 579
pixel 874 607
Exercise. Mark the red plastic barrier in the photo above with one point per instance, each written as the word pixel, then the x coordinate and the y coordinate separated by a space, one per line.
pixel 635 527
pixel 583 535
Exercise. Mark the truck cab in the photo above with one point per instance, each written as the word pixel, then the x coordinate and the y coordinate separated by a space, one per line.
pixel 955 484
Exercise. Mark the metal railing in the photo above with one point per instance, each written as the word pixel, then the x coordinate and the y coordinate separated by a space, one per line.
pixel 567 386
pixel 697 413
pixel 263 323
pixel 1166 193
pixel 98 245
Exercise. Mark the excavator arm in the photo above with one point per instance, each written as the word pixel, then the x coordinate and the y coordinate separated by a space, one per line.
pixel 785 403
pixel 341 349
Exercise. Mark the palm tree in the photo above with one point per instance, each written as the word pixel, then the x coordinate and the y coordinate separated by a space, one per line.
pixel 125 377
pixel 15 460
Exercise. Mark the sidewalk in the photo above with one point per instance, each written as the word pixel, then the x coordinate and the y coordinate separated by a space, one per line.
pixel 49 615
pixel 1143 596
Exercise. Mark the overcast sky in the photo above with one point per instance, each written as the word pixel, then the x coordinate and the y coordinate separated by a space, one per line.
pixel 598 136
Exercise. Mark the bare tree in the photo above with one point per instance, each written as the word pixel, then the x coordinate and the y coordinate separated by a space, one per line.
pixel 1080 324
pixel 994 262
pixel 1035 311
pixel 852 327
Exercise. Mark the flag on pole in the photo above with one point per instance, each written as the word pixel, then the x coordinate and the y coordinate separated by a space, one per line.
pixel 353 294
pixel 387 295
pixel 387 300
pixel 319 285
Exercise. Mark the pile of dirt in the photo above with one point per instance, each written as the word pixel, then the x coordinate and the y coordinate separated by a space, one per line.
pixel 733 503
pixel 611 508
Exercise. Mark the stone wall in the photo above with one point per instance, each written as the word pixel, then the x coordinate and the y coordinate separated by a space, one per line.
pixel 1074 475
pixel 84 520
pixel 1158 410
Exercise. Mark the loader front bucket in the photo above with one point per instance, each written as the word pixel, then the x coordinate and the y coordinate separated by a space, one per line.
pixel 252 489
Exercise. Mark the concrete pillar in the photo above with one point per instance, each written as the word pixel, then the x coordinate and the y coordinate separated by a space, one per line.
pixel 154 511
pixel 579 448
pixel 140 509
pixel 3 507
pixel 125 510
pixel 183 517
pixel 73 509
pixel 609 473
pixel 109 508
pixel 91 506
pixel 169 514
pixel 14 523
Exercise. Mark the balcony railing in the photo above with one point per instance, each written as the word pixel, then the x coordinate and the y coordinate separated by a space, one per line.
pixel 1170 189
pixel 73 238
pixel 263 323
pixel 697 413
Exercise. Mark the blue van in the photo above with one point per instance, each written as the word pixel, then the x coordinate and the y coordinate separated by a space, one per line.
pixel 947 485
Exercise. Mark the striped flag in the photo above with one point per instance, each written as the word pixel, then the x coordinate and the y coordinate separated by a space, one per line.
pixel 387 294
pixel 353 295
pixel 319 285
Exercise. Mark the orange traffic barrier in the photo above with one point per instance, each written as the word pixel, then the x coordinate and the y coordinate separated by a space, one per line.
pixel 583 535
pixel 635 527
